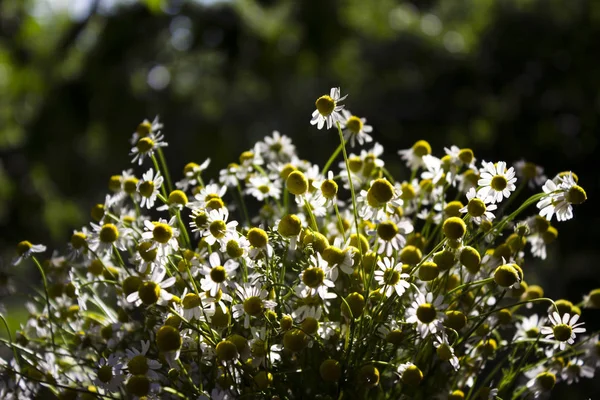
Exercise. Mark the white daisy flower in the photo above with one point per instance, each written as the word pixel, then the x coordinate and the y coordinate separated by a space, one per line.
pixel 104 237
pixel 146 128
pixel 426 313
pixel 206 194
pixel 391 236
pixel 529 327
pixel 328 109
pixel 254 302
pixel 261 188
pixel 25 249
pixel 390 277
pixel 563 329
pixel 576 369
pixel 145 147
pixel 109 376
pixel 355 129
pixel 218 227
pixel 533 174
pixel 338 259
pixel 148 187
pixel 216 277
pixel 560 197
pixel 192 173
pixel 542 383
pixel 195 306
pixel 414 156
pixel 496 182
pixel 315 279
pixel 163 235
pixel 153 290
pixel 277 148
pixel 139 364
pixel 479 207
pixel 445 351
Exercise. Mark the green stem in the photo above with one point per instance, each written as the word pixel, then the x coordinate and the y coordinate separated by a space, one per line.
pixel 163 163
pixel 333 157
pixel 38 265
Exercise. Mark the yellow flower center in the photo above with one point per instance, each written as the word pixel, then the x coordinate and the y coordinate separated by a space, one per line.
pixel 426 313
pixel 313 277
pixel 149 293
pixel 138 365
pixel 257 237
pixel 105 373
pixel 380 192
pixel 191 300
pixel 297 183
pixel 499 183
pixel 329 189
pixel 114 183
pixel 109 233
pixel 146 188
pixel 391 277
pixel 218 228
pixel 421 148
pixel 476 207
pixel 78 240
pixel 562 332
pixel 354 124
pixel 387 230
pixel 145 144
pixel 138 385
pixel 162 232
pixel 325 105
pixel 576 195
pixel 178 197
pixel 253 306
pixel 146 253
pixel 233 249
pixel 130 185
pixel 218 274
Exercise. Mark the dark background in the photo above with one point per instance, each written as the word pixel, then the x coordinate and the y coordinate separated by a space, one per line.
pixel 511 79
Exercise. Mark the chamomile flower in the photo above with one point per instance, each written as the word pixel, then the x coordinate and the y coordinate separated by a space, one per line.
pixel 217 226
pixel 146 146
pixel 192 172
pixel 194 306
pixel 496 182
pixel 328 109
pixel 533 174
pixel 277 148
pixel 315 279
pixel 445 351
pixel 391 235
pixel 152 291
pixel 390 277
pixel 207 197
pixel 163 235
pixel 25 249
pixel 338 259
pixel 355 129
pixel 148 187
pixel 261 188
pixel 563 329
pixel 139 364
pixel 146 128
pixel 529 327
pixel 478 207
pixel 560 197
pixel 414 156
pixel 542 383
pixel 109 375
pixel 576 369
pixel 105 236
pixel 217 276
pixel 254 302
pixel 426 313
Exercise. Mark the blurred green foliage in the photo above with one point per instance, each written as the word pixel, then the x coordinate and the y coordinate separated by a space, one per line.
pixel 511 79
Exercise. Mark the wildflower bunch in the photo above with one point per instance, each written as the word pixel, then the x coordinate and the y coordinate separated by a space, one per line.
pixel 284 279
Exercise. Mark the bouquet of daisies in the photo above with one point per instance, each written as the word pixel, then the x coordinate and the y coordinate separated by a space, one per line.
pixel 281 279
